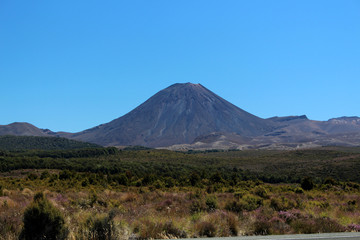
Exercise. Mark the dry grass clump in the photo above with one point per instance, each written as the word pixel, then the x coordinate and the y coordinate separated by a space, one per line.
pixel 148 228
pixel 218 223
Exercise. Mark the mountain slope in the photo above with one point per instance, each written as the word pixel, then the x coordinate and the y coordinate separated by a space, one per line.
pixel 23 129
pixel 177 114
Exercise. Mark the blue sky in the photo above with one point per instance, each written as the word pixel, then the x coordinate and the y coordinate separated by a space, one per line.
pixel 72 65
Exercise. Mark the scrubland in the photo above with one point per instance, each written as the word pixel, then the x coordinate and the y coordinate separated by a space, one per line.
pixel 224 201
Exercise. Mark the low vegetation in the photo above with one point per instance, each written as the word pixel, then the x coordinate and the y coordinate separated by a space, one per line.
pixel 106 193
pixel 19 143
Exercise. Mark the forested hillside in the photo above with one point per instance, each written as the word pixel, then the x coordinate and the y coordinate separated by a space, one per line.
pixel 14 143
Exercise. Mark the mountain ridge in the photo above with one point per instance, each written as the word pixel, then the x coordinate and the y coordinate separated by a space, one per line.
pixel 190 115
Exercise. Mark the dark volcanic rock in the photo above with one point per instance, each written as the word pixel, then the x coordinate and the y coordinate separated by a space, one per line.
pixel 176 115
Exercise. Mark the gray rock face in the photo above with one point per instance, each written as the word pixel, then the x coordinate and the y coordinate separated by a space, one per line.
pixel 177 114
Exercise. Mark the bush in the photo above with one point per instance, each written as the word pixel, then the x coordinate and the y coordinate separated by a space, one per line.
pixel 307 183
pixel 103 228
pixel 317 225
pixel 252 202
pixel 32 176
pixel 298 190
pixel 262 227
pixel 261 192
pixel 282 203
pixel 197 205
pixel 211 203
pixel 234 206
pixel 44 175
pixel 43 221
pixel 206 229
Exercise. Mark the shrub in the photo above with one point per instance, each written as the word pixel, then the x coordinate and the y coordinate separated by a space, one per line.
pixel 44 174
pixel 43 221
pixel 206 229
pixel 197 205
pixel 261 192
pixel 262 227
pixel 330 181
pixel 252 202
pixel 211 203
pixel 282 203
pixel 226 223
pixel 103 228
pixel 32 176
pixel 298 190
pixel 235 206
pixel 317 225
pixel 307 183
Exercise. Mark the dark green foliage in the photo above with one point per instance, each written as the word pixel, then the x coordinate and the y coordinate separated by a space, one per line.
pixel 43 221
pixel 44 175
pixel 234 206
pixel 211 203
pixel 213 170
pixel 330 181
pixel 121 179
pixel 216 178
pixel 194 178
pixel 32 176
pixel 15 143
pixel 307 183
pixel 198 205
pixel 251 202
pixel 261 192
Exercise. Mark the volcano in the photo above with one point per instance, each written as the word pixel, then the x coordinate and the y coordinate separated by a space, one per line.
pixel 176 115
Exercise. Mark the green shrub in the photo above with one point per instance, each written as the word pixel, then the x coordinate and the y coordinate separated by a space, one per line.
pixel 197 205
pixel 307 183
pixel 32 176
pixel 298 190
pixel 103 228
pixel 282 203
pixel 330 181
pixel 43 221
pixel 261 192
pixel 235 206
pixel 44 174
pixel 252 202
pixel 211 203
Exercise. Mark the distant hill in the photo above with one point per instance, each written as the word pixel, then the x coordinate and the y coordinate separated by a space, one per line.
pixel 23 129
pixel 13 143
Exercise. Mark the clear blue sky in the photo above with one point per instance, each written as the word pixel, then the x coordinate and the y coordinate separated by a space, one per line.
pixel 72 65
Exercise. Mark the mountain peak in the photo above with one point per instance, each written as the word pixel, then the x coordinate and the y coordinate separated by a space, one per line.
pixel 175 115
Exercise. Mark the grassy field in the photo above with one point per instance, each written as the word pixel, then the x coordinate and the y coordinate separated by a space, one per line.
pixel 104 193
